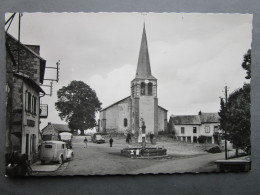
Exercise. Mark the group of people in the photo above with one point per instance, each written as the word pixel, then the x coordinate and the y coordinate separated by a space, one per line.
pixel 128 140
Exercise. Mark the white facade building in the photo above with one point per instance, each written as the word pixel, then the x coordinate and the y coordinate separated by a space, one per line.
pixel 189 128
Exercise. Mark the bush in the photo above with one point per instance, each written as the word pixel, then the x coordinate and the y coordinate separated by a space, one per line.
pixel 214 149
pixel 171 135
pixel 160 132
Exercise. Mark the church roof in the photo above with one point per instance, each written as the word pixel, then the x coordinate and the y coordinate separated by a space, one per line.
pixel 128 97
pixel 163 108
pixel 143 67
pixel 115 103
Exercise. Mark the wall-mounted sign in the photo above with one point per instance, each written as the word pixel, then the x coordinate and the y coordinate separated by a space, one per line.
pixel 43 110
pixel 30 123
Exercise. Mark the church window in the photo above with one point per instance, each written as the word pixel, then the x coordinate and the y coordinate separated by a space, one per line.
pixel 125 122
pixel 150 89
pixel 142 88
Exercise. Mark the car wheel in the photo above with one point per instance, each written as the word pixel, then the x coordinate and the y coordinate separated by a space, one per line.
pixel 61 159
pixel 43 162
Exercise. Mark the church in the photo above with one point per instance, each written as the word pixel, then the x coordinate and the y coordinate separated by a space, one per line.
pixel 126 115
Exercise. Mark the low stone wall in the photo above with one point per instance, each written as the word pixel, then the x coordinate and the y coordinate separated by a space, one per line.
pixel 147 152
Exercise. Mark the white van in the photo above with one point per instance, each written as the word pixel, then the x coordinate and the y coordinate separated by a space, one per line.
pixel 55 151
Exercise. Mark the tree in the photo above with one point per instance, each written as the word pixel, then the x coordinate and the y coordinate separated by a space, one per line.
pixel 235 112
pixel 247 64
pixel 235 117
pixel 77 104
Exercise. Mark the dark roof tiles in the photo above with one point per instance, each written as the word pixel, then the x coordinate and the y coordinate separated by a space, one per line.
pixel 195 119
pixel 187 120
pixel 209 117
pixel 61 127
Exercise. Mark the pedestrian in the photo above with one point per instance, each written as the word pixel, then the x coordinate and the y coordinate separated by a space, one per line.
pixel 127 140
pixel 137 152
pixel 151 137
pixel 111 141
pixel 86 142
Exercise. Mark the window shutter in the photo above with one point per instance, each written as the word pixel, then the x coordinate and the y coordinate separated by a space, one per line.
pixel 26 99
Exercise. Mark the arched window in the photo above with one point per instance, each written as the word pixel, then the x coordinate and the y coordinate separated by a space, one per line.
pixel 150 89
pixel 142 88
pixel 125 122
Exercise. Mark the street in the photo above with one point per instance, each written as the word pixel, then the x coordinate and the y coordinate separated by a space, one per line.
pixel 101 159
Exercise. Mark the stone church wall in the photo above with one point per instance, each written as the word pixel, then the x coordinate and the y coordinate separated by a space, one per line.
pixel 162 119
pixel 115 117
pixel 147 112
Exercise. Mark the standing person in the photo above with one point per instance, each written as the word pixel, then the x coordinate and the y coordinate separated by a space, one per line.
pixel 86 142
pixel 130 139
pixel 151 137
pixel 111 141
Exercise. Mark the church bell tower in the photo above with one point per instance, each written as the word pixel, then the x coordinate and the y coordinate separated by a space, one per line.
pixel 144 93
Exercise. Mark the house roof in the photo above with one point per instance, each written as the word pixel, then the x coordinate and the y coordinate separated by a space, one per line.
pixel 28 80
pixel 58 127
pixel 186 120
pixel 61 127
pixel 42 61
pixel 195 119
pixel 209 117
pixel 143 67
pixel 115 103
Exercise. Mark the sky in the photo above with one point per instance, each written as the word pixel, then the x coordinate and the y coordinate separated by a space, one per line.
pixel 192 55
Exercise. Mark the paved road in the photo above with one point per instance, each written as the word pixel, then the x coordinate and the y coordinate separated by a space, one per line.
pixel 100 159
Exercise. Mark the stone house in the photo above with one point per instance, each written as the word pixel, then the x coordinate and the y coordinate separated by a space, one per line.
pixel 52 130
pixel 142 105
pixel 23 78
pixel 189 128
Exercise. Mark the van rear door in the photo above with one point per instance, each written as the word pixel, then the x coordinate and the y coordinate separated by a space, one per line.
pixel 47 151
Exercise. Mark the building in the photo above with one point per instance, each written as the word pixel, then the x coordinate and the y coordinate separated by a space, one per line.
pixel 52 130
pixel 142 105
pixel 189 128
pixel 24 73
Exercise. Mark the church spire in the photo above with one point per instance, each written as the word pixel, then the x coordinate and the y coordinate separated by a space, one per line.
pixel 143 67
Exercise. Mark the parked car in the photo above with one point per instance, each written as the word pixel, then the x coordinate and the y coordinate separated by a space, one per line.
pixel 97 138
pixel 55 151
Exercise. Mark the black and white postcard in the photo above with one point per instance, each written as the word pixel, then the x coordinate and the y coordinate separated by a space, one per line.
pixel 127 93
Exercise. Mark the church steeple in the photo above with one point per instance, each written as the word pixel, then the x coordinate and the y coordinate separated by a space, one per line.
pixel 143 67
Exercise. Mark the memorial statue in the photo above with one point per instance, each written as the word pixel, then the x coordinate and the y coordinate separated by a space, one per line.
pixel 143 127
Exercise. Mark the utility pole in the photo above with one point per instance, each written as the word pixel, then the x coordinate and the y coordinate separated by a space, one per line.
pixel 226 91
pixel 18 43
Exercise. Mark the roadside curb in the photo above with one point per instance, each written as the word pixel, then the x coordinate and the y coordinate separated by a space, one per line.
pixel 38 167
